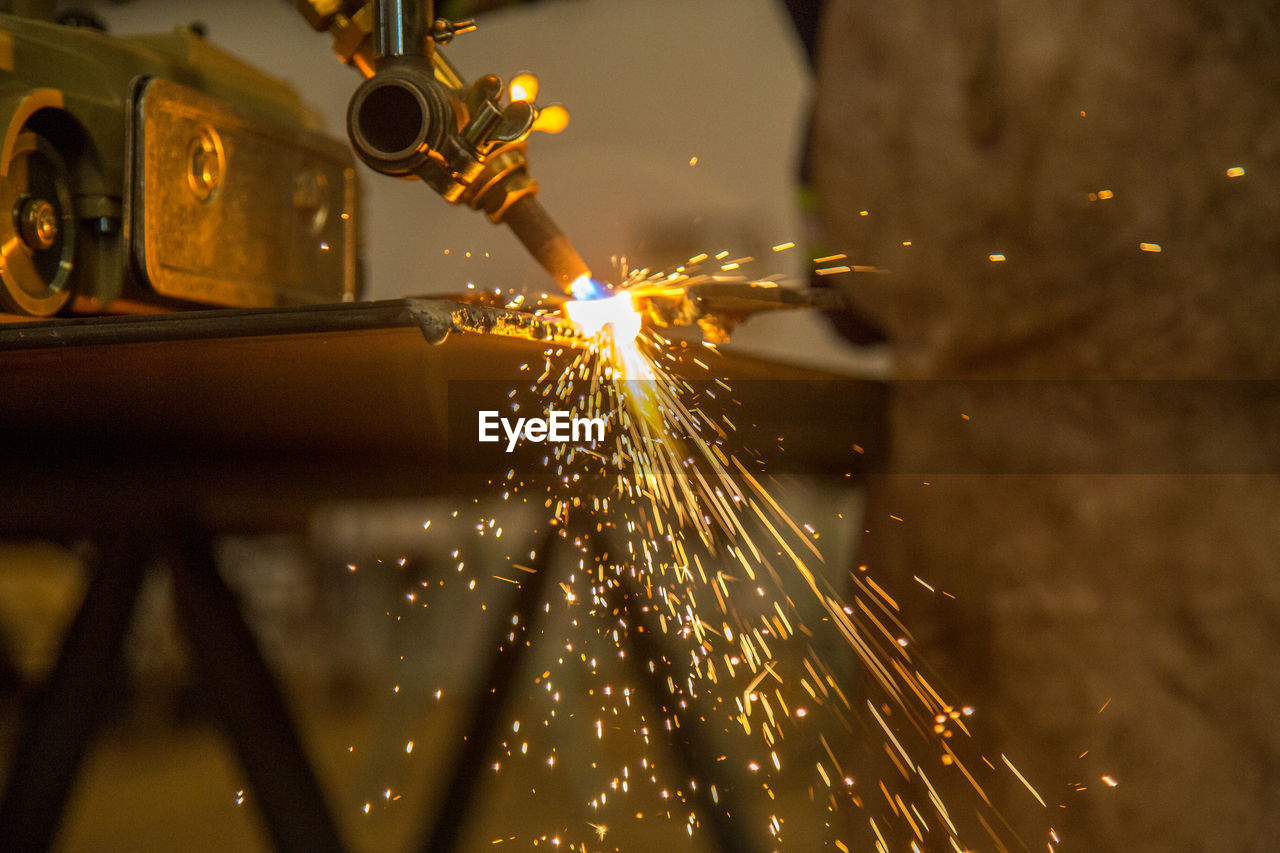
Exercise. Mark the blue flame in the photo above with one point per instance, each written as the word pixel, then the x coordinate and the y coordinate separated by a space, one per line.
pixel 585 288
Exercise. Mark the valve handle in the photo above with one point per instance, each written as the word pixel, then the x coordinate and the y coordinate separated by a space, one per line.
pixel 443 30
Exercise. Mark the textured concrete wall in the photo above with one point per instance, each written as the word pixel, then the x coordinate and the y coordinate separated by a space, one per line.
pixel 981 128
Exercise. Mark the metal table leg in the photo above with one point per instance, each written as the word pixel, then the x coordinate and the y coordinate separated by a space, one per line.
pixel 248 700
pixel 693 762
pixel 69 706
pixel 445 831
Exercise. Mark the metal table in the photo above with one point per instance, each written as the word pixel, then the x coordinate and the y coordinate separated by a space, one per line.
pixel 151 435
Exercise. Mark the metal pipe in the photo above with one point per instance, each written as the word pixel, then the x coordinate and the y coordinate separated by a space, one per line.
pixel 401 27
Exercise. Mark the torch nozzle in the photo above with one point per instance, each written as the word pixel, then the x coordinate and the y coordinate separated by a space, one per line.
pixel 535 228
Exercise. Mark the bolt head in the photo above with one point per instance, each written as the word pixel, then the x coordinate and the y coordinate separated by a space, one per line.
pixel 39 224
pixel 206 164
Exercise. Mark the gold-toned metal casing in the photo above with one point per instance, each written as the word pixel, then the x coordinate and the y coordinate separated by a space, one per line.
pixel 228 207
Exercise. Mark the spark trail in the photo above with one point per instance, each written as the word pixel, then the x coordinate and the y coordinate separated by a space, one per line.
pixel 688 555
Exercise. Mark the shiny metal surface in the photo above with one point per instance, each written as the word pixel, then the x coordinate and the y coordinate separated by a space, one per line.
pixel 37 228
pixel 415 115
pixel 229 208
pixel 401 27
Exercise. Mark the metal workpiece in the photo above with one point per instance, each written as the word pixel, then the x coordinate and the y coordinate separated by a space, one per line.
pixel 718 305
pixel 437 318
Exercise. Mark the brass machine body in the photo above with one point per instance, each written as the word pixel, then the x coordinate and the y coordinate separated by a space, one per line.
pixel 414 116
pixel 158 172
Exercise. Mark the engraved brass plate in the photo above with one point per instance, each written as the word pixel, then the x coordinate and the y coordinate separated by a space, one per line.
pixel 228 207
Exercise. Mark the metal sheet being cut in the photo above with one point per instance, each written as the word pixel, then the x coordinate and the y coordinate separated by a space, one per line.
pixel 256 415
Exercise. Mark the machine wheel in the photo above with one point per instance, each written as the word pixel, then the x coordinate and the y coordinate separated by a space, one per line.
pixel 37 229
